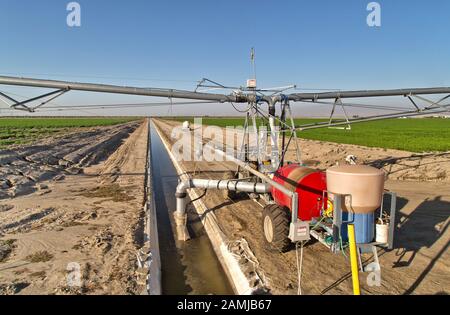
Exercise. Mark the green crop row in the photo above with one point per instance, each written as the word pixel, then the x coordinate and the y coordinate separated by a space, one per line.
pixel 414 135
pixel 26 130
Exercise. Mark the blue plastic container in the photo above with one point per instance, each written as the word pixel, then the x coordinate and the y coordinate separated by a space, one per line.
pixel 364 227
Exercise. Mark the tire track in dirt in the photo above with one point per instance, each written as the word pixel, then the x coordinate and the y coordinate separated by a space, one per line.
pixel 22 169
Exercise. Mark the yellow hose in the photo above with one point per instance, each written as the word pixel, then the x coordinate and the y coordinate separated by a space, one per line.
pixel 353 259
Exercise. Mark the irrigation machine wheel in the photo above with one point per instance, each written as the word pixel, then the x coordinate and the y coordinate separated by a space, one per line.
pixel 275 226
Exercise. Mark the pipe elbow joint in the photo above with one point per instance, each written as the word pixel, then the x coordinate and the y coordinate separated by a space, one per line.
pixel 182 188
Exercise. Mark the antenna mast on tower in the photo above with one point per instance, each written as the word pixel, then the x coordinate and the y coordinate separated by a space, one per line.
pixel 251 83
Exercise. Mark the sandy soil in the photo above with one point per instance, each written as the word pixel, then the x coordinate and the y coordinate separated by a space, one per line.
pixel 398 165
pixel 75 202
pixel 417 265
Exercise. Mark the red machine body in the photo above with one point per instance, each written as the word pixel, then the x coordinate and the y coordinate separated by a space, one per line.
pixel 309 184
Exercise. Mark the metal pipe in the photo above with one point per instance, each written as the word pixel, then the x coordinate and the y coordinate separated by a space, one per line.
pixel 366 93
pixel 8 80
pixel 237 98
pixel 251 170
pixel 257 173
pixel 273 142
pixel 233 185
pixel 103 88
pixel 265 178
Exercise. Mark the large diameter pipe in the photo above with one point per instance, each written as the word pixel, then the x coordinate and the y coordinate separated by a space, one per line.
pixel 104 88
pixel 274 143
pixel 91 87
pixel 233 185
pixel 264 178
pixel 248 168
pixel 367 93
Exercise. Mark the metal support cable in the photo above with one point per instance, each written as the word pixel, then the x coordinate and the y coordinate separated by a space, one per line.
pixel 356 105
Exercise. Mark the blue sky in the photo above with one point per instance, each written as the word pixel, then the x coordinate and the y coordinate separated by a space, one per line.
pixel 314 44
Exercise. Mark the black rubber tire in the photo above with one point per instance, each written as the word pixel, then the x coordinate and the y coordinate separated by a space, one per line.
pixel 280 219
pixel 228 194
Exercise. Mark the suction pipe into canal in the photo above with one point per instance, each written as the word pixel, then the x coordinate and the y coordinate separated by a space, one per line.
pixel 232 185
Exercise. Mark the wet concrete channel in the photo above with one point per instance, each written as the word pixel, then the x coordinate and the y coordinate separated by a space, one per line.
pixel 188 267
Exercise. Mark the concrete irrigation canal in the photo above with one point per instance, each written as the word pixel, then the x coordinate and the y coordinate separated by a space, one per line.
pixel 187 267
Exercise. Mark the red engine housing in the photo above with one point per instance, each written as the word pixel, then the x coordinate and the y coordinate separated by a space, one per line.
pixel 309 184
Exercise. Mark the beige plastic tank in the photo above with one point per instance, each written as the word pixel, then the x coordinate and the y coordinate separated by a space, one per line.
pixel 364 183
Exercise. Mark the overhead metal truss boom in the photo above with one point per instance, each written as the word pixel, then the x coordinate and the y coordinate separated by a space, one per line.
pixel 241 97
pixel 237 98
pixel 103 88
pixel 368 93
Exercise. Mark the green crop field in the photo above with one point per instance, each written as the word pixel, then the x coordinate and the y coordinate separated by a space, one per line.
pixel 415 135
pixel 26 130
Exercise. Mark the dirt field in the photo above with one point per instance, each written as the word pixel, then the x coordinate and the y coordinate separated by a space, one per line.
pixel 73 202
pixel 78 199
pixel 417 265
pixel 398 165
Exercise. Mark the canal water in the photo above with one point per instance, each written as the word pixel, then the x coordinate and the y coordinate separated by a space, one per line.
pixel 189 267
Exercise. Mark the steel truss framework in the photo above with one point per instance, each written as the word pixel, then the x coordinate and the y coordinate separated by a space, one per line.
pixel 256 98
pixel 242 95
pixel 22 105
